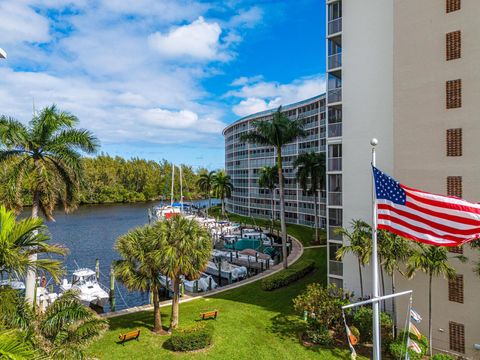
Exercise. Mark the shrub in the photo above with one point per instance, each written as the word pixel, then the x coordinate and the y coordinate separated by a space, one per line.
pixel 288 276
pixel 192 338
pixel 397 347
pixel 319 335
pixel 441 357
pixel 363 321
pixel 323 305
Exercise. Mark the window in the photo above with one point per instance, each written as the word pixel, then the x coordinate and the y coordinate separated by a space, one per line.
pixel 454 93
pixel 457 337
pixel 454 45
pixel 453 5
pixel 454 186
pixel 454 142
pixel 455 289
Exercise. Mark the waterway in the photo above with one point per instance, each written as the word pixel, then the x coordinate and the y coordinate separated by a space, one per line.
pixel 90 233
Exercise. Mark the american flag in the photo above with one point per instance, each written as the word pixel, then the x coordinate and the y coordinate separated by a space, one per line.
pixel 422 216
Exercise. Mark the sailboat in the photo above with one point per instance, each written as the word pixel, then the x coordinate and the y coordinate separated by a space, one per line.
pixel 163 212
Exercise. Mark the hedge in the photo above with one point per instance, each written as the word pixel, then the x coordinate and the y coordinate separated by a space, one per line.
pixel 288 276
pixel 192 338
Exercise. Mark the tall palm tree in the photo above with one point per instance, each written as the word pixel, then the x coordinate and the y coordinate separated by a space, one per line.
pixel 205 183
pixel 268 179
pixel 141 264
pixel 19 240
pixel 186 249
pixel 394 251
pixel 311 176
pixel 222 187
pixel 277 133
pixel 433 261
pixel 47 156
pixel 359 245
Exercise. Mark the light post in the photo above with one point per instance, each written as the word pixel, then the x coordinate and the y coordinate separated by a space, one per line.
pixel 3 54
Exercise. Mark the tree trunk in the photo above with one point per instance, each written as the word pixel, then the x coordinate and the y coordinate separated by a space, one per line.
pixel 175 302
pixel 273 208
pixel 430 315
pixel 157 318
pixel 32 272
pixel 283 225
pixel 315 207
pixel 223 206
pixel 394 307
pixel 361 277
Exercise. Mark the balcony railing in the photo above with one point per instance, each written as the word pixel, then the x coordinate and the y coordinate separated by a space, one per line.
pixel 335 95
pixel 335 198
pixel 335 164
pixel 335 26
pixel 335 130
pixel 334 61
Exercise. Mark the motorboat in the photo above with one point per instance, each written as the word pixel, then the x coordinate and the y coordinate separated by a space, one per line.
pixel 45 298
pixel 227 270
pixel 86 283
pixel 14 284
pixel 203 283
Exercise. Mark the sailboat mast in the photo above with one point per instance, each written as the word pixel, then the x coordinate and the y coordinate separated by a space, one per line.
pixel 181 187
pixel 173 183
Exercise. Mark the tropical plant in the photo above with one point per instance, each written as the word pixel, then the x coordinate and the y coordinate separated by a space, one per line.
pixel 433 261
pixel 268 179
pixel 363 320
pixel 141 264
pixel 394 251
pixel 205 183
pixel 277 133
pixel 19 240
pixel 47 154
pixel 311 176
pixel 13 346
pixel 359 244
pixel 222 187
pixel 186 247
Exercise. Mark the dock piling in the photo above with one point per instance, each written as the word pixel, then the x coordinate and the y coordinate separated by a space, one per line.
pixel 97 268
pixel 112 289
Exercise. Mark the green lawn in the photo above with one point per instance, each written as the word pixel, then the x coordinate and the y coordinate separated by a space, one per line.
pixel 252 324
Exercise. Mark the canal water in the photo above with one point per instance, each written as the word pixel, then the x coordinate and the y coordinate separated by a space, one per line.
pixel 90 233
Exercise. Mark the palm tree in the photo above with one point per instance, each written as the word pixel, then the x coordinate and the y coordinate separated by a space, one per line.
pixel 141 251
pixel 186 249
pixel 433 261
pixel 359 245
pixel 222 187
pixel 311 176
pixel 394 251
pixel 277 133
pixel 205 183
pixel 268 179
pixel 19 240
pixel 47 161
pixel 12 346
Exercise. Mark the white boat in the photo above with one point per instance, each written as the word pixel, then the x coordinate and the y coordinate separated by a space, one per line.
pixel 203 283
pixel 45 298
pixel 14 284
pixel 86 283
pixel 227 270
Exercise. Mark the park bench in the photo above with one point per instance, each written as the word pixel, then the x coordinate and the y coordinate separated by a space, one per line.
pixel 129 336
pixel 209 314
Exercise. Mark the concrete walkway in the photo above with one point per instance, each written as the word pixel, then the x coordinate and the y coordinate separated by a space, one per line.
pixel 315 247
pixel 295 254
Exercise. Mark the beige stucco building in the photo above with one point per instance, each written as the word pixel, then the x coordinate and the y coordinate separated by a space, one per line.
pixel 410 76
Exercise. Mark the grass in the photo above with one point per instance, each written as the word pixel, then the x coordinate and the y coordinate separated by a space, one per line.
pixel 252 324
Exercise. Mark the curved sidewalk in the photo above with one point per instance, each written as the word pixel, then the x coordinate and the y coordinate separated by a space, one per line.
pixel 295 254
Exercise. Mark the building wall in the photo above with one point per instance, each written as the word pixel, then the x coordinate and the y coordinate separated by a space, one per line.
pixel 421 121
pixel 244 161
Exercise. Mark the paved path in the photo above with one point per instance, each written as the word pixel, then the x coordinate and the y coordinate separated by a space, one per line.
pixel 295 254
pixel 315 247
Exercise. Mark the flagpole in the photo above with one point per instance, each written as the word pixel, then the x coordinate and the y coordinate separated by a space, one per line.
pixel 376 304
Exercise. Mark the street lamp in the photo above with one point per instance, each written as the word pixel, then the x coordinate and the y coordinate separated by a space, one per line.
pixel 3 54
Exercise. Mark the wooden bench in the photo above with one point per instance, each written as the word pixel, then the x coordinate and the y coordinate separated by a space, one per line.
pixel 129 336
pixel 209 314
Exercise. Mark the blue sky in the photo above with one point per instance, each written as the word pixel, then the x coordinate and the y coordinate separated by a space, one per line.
pixel 160 79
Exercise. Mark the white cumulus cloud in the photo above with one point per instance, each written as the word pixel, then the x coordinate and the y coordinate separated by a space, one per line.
pixel 19 23
pixel 199 40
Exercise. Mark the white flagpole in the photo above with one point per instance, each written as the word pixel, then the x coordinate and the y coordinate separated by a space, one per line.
pixel 376 305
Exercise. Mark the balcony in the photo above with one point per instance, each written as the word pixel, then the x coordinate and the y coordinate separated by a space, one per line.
pixel 334 61
pixel 335 95
pixel 335 268
pixel 335 26
pixel 335 198
pixel 335 130
pixel 335 164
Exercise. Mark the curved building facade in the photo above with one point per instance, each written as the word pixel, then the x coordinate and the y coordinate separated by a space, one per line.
pixel 243 162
